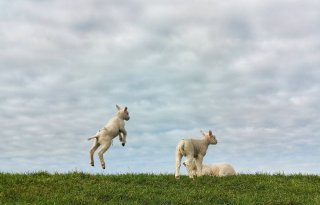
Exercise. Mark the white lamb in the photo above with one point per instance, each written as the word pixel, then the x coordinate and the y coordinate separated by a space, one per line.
pixel 219 170
pixel 194 150
pixel 112 129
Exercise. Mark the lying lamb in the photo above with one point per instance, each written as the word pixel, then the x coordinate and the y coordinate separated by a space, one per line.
pixel 219 170
pixel 112 129
pixel 194 150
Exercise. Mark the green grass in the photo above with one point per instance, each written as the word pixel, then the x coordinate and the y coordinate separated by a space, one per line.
pixel 81 188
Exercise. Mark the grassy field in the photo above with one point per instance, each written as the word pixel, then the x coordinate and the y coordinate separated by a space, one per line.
pixel 81 188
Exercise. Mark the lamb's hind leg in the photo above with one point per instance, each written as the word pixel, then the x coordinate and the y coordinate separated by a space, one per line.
pixel 92 150
pixel 178 163
pixel 104 148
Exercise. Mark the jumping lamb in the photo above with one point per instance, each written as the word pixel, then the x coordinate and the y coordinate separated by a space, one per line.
pixel 194 150
pixel 105 135
pixel 219 169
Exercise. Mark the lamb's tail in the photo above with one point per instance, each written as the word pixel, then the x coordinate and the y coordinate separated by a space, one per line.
pixel 180 147
pixel 95 136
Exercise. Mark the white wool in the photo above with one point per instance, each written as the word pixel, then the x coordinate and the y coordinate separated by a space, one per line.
pixel 104 137
pixel 194 150
pixel 218 169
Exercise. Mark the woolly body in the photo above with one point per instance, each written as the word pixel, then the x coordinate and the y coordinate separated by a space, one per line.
pixel 104 136
pixel 219 169
pixel 194 150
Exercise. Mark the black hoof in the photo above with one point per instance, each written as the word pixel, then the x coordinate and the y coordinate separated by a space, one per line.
pixel 123 144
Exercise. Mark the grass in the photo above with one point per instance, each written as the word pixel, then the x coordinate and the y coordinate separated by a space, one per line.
pixel 81 188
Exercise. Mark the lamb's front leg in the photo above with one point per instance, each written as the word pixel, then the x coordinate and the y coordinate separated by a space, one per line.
pixel 189 163
pixel 122 138
pixel 198 162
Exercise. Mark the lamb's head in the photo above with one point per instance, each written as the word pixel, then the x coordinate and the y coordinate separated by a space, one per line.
pixel 123 113
pixel 210 137
pixel 191 164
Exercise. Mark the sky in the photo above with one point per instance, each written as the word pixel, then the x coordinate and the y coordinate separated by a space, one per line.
pixel 248 70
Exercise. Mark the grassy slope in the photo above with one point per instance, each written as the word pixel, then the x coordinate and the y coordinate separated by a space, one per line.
pixel 80 188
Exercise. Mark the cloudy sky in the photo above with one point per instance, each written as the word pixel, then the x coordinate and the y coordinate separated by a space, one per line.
pixel 248 70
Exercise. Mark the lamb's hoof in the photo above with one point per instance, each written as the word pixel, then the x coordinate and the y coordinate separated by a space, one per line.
pixel 103 166
pixel 177 177
pixel 123 144
pixel 92 164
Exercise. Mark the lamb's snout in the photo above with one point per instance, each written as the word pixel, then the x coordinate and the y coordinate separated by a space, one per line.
pixel 213 140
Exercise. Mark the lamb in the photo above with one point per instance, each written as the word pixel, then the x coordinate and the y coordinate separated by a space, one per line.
pixel 194 150
pixel 219 170
pixel 112 129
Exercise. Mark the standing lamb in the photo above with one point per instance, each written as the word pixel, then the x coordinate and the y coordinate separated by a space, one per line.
pixel 219 170
pixel 112 129
pixel 194 150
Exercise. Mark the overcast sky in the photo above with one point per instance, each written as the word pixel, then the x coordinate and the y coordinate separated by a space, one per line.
pixel 248 70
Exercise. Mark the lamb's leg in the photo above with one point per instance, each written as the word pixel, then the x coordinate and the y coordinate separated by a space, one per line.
pixel 120 136
pixel 190 165
pixel 123 137
pixel 193 166
pixel 104 148
pixel 178 163
pixel 198 163
pixel 92 150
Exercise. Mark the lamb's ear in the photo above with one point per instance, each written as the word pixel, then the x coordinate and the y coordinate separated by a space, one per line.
pixel 204 134
pixel 125 109
pixel 118 107
pixel 210 132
